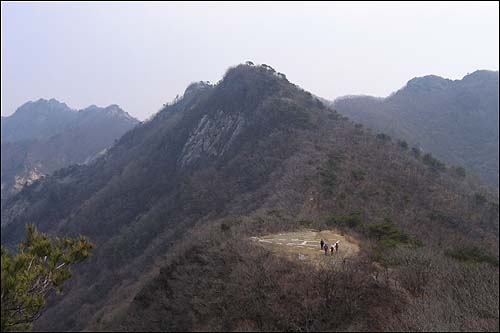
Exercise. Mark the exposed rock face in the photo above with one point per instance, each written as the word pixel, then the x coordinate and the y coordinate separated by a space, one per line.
pixel 212 136
pixel 26 179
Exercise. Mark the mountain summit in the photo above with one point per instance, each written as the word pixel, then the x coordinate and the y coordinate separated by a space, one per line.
pixel 35 120
pixel 46 135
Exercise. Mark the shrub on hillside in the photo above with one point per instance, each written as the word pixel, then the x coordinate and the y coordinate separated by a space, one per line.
pixel 433 162
pixel 472 254
pixel 416 152
pixel 403 144
pixel 384 137
pixel 330 175
pixel 459 172
pixel 352 220
pixel 358 175
pixel 480 199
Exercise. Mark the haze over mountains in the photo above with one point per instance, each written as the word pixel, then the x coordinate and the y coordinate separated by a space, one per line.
pixel 456 120
pixel 46 135
pixel 172 205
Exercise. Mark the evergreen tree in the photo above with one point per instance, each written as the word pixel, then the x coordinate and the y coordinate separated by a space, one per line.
pixel 40 265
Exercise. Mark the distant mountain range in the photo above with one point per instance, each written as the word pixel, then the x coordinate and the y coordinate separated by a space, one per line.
pixel 46 135
pixel 456 120
pixel 171 208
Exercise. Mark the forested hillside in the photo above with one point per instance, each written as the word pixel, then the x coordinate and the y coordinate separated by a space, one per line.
pixel 172 205
pixel 456 120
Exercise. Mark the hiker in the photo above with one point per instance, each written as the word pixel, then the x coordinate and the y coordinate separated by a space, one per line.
pixel 322 243
pixel 336 246
pixel 331 249
pixel 326 249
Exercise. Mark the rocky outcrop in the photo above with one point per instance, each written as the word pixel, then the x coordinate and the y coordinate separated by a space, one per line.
pixel 212 136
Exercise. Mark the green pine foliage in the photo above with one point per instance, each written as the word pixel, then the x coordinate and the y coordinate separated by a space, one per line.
pixel 40 265
pixel 330 174
pixel 385 235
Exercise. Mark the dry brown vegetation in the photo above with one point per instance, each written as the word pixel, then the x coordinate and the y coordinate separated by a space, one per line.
pixel 221 281
pixel 446 295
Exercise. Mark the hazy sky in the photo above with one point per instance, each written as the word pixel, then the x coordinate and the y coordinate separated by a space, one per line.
pixel 141 55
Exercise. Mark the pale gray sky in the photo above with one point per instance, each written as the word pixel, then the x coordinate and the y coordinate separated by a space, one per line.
pixel 140 55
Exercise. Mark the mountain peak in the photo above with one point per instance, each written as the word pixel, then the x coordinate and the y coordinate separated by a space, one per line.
pixel 481 76
pixel 197 86
pixel 112 110
pixel 251 71
pixel 116 111
pixel 239 76
pixel 428 82
pixel 42 105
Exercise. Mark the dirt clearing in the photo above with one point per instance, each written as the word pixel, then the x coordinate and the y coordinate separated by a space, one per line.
pixel 305 245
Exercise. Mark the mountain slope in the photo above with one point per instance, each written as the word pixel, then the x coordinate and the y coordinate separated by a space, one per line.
pixel 43 136
pixel 253 152
pixel 455 120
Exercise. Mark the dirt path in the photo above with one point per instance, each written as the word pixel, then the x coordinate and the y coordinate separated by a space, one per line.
pixel 305 245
